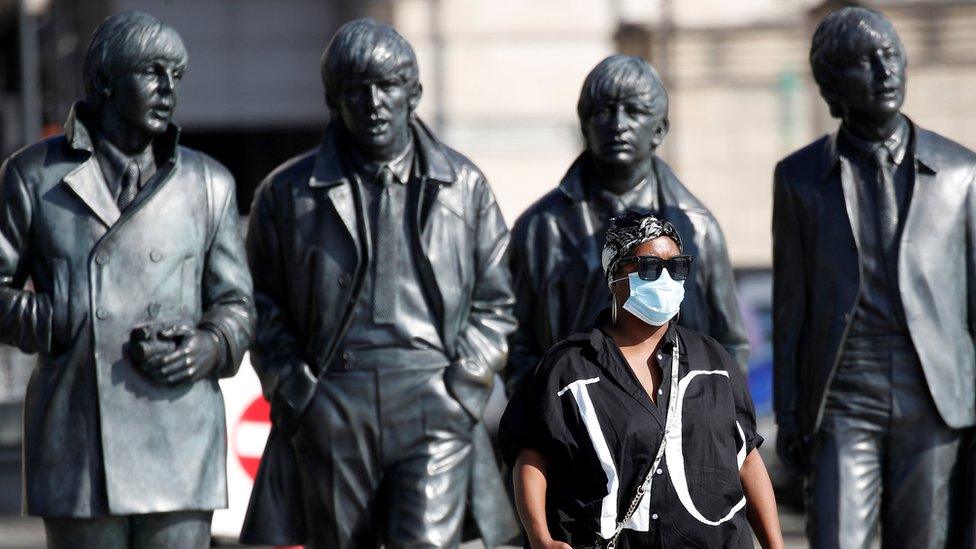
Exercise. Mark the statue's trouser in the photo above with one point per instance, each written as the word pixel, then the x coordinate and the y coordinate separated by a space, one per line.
pixel 385 457
pixel 883 454
pixel 185 529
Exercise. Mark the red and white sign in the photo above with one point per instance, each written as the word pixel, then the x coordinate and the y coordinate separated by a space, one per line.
pixel 248 425
pixel 249 435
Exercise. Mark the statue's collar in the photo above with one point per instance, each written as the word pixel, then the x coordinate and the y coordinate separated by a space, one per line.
pixel 432 157
pixel 918 148
pixel 79 137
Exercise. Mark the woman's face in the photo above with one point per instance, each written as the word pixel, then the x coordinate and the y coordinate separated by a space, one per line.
pixel 662 247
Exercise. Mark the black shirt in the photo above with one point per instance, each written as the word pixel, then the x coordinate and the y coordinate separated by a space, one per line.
pixel 585 411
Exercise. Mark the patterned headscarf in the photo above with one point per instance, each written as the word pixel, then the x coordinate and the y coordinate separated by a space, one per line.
pixel 628 230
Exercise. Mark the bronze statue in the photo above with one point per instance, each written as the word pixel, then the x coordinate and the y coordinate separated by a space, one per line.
pixel 122 230
pixel 384 303
pixel 556 243
pixel 873 298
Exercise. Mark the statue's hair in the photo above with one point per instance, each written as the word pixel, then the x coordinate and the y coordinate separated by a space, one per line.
pixel 124 40
pixel 364 50
pixel 628 230
pixel 836 43
pixel 618 77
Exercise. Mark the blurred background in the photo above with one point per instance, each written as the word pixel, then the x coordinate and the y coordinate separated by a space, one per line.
pixel 501 80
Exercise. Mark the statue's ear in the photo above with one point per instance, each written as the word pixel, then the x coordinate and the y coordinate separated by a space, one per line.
pixel 415 97
pixel 660 131
pixel 103 85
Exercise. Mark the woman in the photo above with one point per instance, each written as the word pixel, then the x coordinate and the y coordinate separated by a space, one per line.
pixel 638 432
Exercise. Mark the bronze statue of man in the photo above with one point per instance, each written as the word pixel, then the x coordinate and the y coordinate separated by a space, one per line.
pixel 556 243
pixel 125 235
pixel 873 302
pixel 384 303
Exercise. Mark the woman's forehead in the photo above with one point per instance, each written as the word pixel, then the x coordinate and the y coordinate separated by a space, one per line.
pixel 661 246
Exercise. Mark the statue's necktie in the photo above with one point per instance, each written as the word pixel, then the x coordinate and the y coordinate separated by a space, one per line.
pixel 130 186
pixel 389 228
pixel 887 202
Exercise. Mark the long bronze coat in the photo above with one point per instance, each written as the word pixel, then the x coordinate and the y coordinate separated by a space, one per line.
pixel 309 253
pixel 91 418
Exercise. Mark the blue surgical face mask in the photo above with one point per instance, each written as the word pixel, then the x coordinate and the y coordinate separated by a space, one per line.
pixel 654 301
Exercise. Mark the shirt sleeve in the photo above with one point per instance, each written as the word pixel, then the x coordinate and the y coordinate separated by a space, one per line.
pixel 535 418
pixel 745 411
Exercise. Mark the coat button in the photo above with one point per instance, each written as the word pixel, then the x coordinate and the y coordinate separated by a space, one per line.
pixel 101 259
pixel 101 314
pixel 156 255
pixel 654 516
pixel 344 280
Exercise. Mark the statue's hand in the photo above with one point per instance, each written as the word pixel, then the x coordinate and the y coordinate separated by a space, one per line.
pixel 792 449
pixel 197 354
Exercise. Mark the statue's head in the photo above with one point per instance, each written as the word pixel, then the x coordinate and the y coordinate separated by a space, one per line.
pixel 623 110
pixel 858 61
pixel 372 85
pixel 132 70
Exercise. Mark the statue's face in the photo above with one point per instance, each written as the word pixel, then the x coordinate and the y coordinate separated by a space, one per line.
pixel 377 115
pixel 624 131
pixel 873 86
pixel 144 97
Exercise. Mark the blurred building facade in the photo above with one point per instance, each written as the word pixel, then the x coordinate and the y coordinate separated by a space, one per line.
pixel 501 81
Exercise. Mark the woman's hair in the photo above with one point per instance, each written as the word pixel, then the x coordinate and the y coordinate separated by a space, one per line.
pixel 628 230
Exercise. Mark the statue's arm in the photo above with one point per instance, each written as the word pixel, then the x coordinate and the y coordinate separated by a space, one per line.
pixel 482 345
pixel 971 252
pixel 724 317
pixel 523 348
pixel 276 352
pixel 227 289
pixel 789 297
pixel 25 316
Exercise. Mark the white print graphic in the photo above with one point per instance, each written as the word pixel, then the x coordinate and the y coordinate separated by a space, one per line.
pixel 608 510
pixel 676 459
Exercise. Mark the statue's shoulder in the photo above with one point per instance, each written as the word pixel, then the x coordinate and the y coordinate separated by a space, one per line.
pixel 548 206
pixel 46 162
pixel 297 169
pixel 217 174
pixel 939 147
pixel 809 154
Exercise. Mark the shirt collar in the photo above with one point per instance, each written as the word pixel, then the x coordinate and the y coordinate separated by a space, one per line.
pixel 599 336
pixel 114 162
pixel 643 196
pixel 896 143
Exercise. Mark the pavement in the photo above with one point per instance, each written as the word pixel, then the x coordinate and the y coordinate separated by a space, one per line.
pixel 28 533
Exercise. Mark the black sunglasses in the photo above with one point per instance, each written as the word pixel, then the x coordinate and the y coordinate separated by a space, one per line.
pixel 649 267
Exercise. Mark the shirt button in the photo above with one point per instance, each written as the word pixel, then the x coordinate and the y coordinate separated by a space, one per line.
pixel 660 391
pixel 660 471
pixel 660 356
pixel 101 259
pixel 156 255
pixel 343 280
pixel 654 516
pixel 101 314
